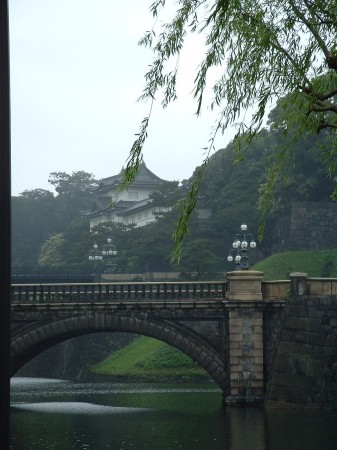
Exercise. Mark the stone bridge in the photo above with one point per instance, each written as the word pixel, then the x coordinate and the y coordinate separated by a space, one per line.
pixel 231 329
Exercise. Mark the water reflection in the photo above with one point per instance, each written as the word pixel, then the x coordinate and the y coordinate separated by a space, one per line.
pixel 49 415
pixel 75 408
pixel 247 429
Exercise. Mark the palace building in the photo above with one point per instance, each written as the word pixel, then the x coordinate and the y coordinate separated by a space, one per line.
pixel 132 206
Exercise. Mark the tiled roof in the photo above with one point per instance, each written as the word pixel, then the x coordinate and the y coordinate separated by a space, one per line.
pixel 144 177
pixel 100 204
pixel 103 202
pixel 143 204
pixel 124 204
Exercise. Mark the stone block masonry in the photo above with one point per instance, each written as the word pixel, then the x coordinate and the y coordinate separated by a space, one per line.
pixel 245 338
pixel 308 225
pixel 281 348
pixel 246 355
pixel 305 367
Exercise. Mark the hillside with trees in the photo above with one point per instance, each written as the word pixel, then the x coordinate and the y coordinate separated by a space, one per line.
pixel 51 234
pixel 39 216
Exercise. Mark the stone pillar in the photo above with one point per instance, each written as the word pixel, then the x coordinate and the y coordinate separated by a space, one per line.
pixel 245 285
pixel 245 337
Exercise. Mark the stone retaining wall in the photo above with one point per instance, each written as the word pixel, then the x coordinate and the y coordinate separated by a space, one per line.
pixel 307 226
pixel 305 368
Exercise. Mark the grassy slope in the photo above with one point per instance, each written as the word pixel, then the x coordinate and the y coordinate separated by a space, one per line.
pixel 153 360
pixel 315 263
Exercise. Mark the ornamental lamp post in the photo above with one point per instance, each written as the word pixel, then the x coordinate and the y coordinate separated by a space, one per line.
pixel 108 251
pixel 95 255
pixel 241 243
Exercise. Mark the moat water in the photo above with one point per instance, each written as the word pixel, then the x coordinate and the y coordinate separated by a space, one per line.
pixel 55 414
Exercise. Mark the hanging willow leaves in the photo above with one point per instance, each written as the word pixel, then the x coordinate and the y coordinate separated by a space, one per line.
pixel 269 51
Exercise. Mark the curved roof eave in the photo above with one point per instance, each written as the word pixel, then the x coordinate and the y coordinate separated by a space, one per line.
pixel 150 180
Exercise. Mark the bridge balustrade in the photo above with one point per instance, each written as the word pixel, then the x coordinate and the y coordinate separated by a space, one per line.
pixel 106 292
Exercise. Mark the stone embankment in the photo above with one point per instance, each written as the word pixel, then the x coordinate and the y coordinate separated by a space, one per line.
pixel 305 369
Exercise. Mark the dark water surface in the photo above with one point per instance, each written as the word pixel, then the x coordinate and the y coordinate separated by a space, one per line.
pixel 61 415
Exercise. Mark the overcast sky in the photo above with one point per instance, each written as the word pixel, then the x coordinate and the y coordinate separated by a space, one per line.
pixel 76 74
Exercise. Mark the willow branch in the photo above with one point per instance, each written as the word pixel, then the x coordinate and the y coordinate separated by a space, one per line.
pixel 326 108
pixel 321 126
pixel 328 94
pixel 275 43
pixel 312 29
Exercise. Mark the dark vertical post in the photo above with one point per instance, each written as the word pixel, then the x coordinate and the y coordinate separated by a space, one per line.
pixel 4 226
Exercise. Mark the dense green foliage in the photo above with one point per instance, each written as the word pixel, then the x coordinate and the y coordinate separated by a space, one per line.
pixel 33 221
pixel 38 215
pixel 74 185
pixel 266 51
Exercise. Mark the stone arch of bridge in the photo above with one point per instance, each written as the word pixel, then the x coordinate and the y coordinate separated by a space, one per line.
pixel 28 344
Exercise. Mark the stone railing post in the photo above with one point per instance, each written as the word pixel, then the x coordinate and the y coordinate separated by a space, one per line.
pixel 298 284
pixel 245 337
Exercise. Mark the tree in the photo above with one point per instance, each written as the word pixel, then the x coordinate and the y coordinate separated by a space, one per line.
pixel 167 195
pixel 38 215
pixel 51 255
pixel 74 194
pixel 34 220
pixel 37 194
pixel 78 183
pixel 280 50
pixel 198 260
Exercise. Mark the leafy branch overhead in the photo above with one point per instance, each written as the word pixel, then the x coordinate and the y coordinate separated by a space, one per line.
pixel 269 51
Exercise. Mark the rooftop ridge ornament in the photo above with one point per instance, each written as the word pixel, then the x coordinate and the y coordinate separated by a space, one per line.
pixel 241 243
